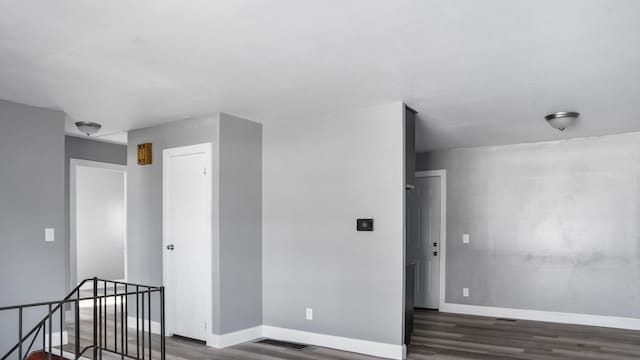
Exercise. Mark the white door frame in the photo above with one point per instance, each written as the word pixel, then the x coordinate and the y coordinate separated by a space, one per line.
pixel 74 164
pixel 443 227
pixel 166 154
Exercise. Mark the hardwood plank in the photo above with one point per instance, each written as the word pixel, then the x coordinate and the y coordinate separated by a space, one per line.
pixel 439 336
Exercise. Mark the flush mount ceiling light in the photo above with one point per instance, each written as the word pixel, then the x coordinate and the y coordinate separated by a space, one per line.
pixel 561 120
pixel 88 128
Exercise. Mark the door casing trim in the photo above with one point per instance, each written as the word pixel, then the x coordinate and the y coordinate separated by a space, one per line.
pixel 74 164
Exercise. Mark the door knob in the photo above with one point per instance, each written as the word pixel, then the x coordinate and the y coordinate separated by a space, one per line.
pixel 435 253
pixel 170 247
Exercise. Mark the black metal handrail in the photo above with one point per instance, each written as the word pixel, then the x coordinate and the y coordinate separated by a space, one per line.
pixel 100 328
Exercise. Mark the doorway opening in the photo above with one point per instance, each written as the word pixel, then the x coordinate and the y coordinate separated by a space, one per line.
pixel 97 221
pixel 427 238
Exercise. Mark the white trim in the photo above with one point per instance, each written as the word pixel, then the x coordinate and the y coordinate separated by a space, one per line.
pixel 205 148
pixel 384 350
pixel 101 138
pixel 55 339
pixel 73 254
pixel 443 228
pixel 155 325
pixel 548 316
pixel 234 338
pixel 389 351
pixel 70 355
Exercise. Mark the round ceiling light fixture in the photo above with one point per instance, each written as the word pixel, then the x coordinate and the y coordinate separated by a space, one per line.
pixel 88 128
pixel 562 119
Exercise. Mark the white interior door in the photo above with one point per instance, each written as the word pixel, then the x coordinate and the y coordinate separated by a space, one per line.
pixel 187 239
pixel 428 260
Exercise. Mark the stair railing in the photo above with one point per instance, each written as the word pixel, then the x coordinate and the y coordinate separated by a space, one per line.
pixel 131 293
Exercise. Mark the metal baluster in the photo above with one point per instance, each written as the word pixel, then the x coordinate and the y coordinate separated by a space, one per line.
pixel 77 326
pixel 61 307
pixel 141 316
pixel 50 327
pixel 44 339
pixel 20 333
pixel 126 319
pixel 106 346
pixel 95 318
pixel 137 324
pixel 115 317
pixel 162 328
pixel 122 324
pixel 100 328
pixel 149 320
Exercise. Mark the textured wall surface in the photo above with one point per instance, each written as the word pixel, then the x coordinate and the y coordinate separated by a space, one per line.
pixel 554 226
pixel 319 177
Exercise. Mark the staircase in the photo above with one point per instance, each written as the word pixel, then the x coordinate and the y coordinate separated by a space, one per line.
pixel 100 317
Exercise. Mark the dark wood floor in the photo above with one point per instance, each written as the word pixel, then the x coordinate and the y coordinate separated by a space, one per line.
pixel 441 336
pixel 450 336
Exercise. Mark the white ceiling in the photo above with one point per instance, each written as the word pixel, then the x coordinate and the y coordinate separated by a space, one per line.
pixel 479 72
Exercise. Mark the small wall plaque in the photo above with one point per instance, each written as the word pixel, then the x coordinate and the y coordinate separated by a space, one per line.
pixel 144 154
pixel 364 225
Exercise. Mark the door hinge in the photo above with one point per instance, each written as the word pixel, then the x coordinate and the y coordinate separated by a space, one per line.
pixel 205 326
pixel 205 171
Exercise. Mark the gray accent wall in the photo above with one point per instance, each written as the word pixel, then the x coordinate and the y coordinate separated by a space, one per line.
pixel 31 199
pixel 553 226
pixel 236 208
pixel 86 149
pixel 320 175
pixel 240 223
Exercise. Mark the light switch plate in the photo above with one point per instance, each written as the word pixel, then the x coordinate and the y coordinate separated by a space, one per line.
pixel 49 235
pixel 465 292
pixel 309 314
pixel 465 238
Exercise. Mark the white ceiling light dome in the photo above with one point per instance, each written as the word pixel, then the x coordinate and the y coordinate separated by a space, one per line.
pixel 562 119
pixel 88 128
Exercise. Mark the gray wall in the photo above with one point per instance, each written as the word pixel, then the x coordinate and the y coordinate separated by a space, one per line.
pixel 240 223
pixel 31 199
pixel 86 149
pixel 320 175
pixel 144 198
pixel 554 226
pixel 236 205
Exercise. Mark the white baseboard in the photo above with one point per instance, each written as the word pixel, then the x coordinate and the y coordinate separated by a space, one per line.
pixel 55 339
pixel 155 325
pixel 234 338
pixel 548 316
pixel 70 355
pixel 390 351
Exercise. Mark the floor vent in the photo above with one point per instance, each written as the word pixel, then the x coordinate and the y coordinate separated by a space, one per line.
pixel 283 344
pixel 504 319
